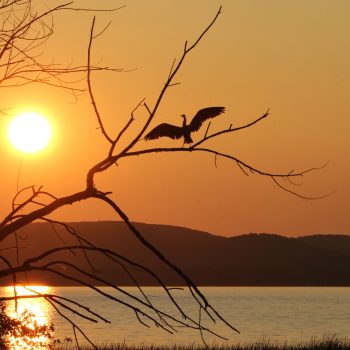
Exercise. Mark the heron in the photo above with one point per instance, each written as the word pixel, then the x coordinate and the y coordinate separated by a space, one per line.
pixel 176 132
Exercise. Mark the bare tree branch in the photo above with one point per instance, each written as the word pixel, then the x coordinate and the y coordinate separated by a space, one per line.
pixel 97 113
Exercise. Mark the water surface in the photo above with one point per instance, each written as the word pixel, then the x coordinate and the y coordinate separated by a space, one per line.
pixel 276 313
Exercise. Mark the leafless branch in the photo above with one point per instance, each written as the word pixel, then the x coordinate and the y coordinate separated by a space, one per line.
pixel 168 83
pixel 97 113
pixel 229 130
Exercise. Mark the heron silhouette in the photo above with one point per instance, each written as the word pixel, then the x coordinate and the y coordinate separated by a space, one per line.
pixel 176 132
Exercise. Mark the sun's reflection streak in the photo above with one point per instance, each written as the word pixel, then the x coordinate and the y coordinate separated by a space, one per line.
pixel 37 307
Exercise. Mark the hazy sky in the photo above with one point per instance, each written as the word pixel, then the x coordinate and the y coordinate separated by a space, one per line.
pixel 290 56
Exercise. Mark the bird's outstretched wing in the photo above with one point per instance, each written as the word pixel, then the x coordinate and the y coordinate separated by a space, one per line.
pixel 204 114
pixel 168 130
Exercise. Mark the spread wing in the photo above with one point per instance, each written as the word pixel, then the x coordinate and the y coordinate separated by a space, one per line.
pixel 172 131
pixel 204 114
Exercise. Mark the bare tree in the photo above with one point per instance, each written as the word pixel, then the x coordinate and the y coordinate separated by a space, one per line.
pixel 22 32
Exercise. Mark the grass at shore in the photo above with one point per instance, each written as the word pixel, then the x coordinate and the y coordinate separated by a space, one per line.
pixel 326 343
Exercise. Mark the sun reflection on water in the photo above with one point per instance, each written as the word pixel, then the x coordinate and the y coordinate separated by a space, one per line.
pixel 37 308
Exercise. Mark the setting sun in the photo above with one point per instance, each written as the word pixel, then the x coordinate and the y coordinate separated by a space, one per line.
pixel 29 132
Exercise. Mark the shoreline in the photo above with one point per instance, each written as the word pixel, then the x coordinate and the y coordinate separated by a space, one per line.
pixel 324 343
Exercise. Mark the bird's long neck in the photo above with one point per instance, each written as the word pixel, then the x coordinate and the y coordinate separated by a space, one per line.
pixel 186 132
pixel 184 123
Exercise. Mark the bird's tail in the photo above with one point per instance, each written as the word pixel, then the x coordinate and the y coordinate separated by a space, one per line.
pixel 188 139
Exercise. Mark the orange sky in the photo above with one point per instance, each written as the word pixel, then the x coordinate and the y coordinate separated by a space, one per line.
pixel 291 56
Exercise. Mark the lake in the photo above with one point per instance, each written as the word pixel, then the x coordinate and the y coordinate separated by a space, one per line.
pixel 275 313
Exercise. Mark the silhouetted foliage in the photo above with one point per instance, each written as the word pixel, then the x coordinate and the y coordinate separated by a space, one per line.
pixel 23 331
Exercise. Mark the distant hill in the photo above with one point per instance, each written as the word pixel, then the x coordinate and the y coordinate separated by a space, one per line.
pixel 253 259
pixel 335 243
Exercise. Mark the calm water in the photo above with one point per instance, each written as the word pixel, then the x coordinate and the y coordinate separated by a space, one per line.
pixel 277 313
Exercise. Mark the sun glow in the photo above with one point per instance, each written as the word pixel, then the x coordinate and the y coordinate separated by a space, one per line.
pixel 28 290
pixel 29 132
